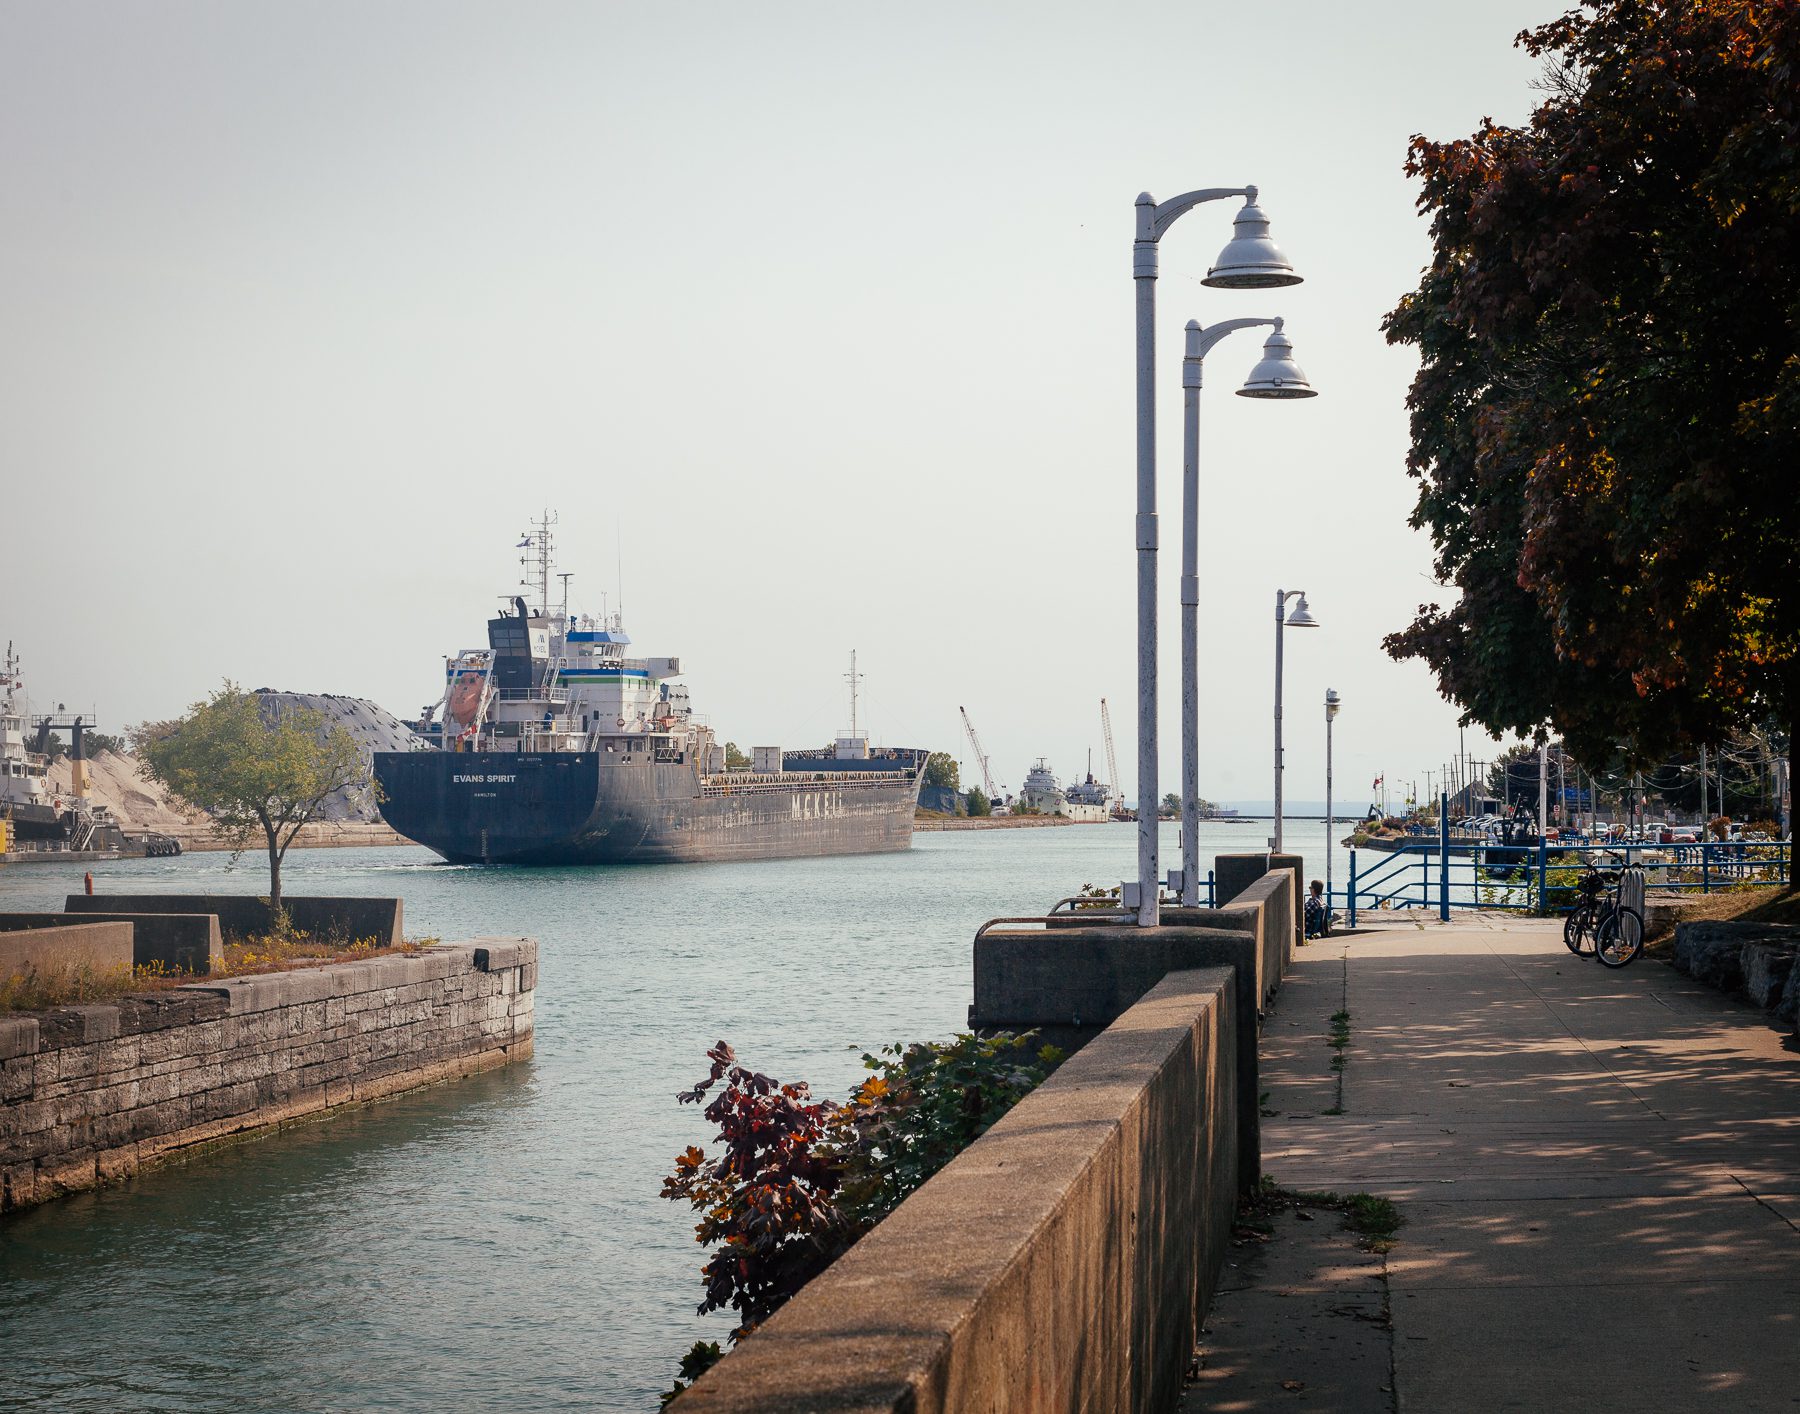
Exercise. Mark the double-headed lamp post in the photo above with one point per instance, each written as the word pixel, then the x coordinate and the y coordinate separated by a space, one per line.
pixel 1301 617
pixel 1250 261
pixel 1276 375
pixel 1332 703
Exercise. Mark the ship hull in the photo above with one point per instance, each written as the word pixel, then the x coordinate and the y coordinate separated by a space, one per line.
pixel 560 808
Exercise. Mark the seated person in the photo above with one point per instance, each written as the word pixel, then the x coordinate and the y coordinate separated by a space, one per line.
pixel 1318 915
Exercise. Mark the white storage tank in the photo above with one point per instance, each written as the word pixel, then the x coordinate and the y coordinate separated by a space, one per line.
pixel 766 759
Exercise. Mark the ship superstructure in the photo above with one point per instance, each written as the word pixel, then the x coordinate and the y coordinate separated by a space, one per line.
pixel 1088 802
pixel 553 746
pixel 1041 792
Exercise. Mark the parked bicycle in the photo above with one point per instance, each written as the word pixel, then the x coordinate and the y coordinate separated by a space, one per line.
pixel 1608 922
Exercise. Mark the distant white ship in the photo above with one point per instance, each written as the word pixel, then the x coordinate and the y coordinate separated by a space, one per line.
pixel 1087 803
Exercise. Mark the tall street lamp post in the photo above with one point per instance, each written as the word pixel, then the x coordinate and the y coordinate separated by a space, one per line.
pixel 1332 703
pixel 1249 261
pixel 1301 617
pixel 1276 375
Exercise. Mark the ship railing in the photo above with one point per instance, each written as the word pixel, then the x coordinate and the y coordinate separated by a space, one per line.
pixel 792 781
pixel 557 695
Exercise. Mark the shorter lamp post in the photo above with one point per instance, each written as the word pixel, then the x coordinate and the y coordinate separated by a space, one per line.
pixel 1300 618
pixel 1332 703
pixel 1275 376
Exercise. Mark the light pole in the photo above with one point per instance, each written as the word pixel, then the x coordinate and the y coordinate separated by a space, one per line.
pixel 1249 261
pixel 1332 703
pixel 1276 375
pixel 1300 618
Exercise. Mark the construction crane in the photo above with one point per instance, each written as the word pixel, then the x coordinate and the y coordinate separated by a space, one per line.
pixel 1112 759
pixel 994 792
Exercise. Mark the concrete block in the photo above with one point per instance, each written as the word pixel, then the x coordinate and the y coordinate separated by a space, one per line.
pixel 495 954
pixel 18 1036
pixel 34 942
pixel 176 942
pixel 15 1077
pixel 118 1057
pixel 178 1007
pixel 432 965
pixel 77 1062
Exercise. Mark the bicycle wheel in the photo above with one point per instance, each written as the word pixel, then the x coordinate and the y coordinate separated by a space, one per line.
pixel 1621 937
pixel 1578 931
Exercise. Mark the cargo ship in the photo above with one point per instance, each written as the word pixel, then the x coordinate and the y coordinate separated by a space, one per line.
pixel 553 746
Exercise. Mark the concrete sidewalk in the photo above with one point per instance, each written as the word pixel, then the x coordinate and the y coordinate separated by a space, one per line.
pixel 1599 1171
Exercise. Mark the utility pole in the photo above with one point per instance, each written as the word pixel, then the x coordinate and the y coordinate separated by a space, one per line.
pixel 1543 790
pixel 1703 783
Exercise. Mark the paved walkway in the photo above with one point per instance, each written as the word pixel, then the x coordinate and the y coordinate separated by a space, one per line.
pixel 1599 1172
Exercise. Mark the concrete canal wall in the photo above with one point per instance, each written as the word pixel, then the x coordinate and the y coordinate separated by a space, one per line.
pixel 1061 1262
pixel 90 1093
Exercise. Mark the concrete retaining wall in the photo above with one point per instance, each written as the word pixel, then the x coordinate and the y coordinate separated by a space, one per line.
pixel 1265 910
pixel 1070 984
pixel 1060 1263
pixel 240 915
pixel 1233 873
pixel 88 1094
pixel 44 943
pixel 180 942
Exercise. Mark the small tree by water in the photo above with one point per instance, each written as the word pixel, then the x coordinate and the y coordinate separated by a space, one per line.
pixel 251 769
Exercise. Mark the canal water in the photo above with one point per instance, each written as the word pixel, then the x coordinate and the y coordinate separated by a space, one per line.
pixel 499 1242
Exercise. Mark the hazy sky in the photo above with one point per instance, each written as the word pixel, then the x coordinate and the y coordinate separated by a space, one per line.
pixel 823 311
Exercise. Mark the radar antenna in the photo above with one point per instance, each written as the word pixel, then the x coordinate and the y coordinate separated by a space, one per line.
pixel 542 544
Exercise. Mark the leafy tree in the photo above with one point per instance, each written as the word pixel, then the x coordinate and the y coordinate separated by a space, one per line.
pixel 1607 415
pixel 941 770
pixel 735 760
pixel 1171 804
pixel 979 804
pixel 249 767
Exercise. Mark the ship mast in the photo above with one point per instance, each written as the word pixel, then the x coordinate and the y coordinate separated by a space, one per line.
pixel 543 554
pixel 853 677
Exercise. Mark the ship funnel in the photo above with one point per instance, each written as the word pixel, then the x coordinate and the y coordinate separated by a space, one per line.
pixel 78 766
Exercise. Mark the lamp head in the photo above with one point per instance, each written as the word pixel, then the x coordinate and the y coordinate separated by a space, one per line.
pixel 1276 375
pixel 1250 260
pixel 1301 616
pixel 1332 703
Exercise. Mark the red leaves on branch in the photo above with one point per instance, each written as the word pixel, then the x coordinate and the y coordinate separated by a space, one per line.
pixel 766 1200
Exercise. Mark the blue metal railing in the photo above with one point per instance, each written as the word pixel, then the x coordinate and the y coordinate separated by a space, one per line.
pixel 1541 878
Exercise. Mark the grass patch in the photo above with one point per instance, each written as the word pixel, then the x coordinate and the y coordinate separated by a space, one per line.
pixel 39 989
pixel 285 952
pixel 1339 1040
pixel 1375 1221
